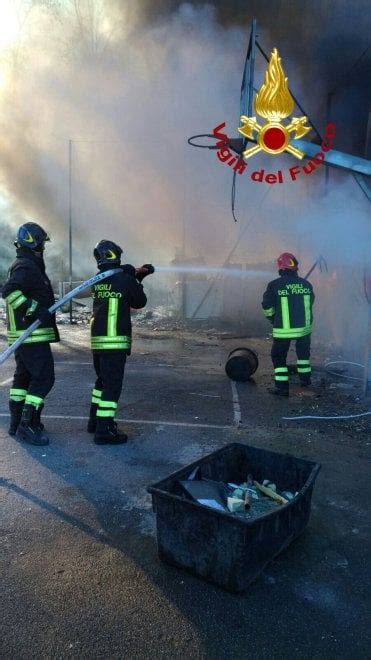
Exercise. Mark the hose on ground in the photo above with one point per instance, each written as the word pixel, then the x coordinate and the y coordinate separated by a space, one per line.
pixel 330 416
pixel 336 373
pixel 335 417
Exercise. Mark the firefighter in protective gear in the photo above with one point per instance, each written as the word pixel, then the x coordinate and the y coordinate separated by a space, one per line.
pixel 287 303
pixel 28 295
pixel 111 337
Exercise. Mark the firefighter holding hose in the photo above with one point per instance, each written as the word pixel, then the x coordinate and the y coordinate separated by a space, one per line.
pixel 111 337
pixel 28 295
pixel 287 303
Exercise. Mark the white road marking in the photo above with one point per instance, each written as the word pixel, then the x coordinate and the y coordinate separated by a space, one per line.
pixel 236 404
pixel 210 396
pixel 8 380
pixel 155 422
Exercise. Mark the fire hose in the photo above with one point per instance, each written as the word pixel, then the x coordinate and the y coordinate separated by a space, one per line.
pixel 71 294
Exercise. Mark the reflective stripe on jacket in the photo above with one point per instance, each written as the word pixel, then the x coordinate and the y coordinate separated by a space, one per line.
pixel 287 302
pixel 26 290
pixel 110 325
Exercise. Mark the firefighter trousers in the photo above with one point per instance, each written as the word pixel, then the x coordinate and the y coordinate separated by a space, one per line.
pixel 34 374
pixel 280 349
pixel 110 369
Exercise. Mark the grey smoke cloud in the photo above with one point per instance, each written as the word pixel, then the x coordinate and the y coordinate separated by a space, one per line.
pixel 128 105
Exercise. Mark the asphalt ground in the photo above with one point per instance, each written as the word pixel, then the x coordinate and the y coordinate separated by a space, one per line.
pixel 80 576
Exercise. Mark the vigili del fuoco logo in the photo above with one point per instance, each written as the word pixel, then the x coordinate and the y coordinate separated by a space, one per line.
pixel 275 104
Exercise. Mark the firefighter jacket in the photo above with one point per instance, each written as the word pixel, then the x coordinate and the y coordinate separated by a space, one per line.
pixel 287 302
pixel 110 325
pixel 27 292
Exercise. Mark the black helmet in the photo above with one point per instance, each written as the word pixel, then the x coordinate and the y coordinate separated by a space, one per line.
pixel 107 252
pixel 31 236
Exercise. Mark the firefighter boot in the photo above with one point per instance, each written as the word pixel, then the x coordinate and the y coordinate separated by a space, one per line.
pixel 280 389
pixel 38 422
pixel 15 408
pixel 92 423
pixel 107 433
pixel 29 429
pixel 37 417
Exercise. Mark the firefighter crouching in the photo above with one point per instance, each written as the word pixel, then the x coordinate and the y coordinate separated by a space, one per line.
pixel 111 337
pixel 287 303
pixel 28 294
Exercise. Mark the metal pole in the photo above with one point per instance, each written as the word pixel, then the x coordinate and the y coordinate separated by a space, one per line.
pixel 368 137
pixel 70 218
pixel 310 271
pixel 251 68
pixel 367 376
pixel 367 372
pixel 184 282
pixel 184 238
pixel 328 119
pixel 250 60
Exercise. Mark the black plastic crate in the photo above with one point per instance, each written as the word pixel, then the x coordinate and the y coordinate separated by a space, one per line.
pixel 221 547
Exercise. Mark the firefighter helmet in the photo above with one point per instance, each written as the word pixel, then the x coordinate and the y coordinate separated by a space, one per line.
pixel 31 236
pixel 107 252
pixel 287 261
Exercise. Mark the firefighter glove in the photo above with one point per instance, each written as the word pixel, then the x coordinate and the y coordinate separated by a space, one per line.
pixel 43 315
pixel 143 271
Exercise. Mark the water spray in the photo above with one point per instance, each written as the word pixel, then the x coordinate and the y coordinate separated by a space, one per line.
pixel 206 270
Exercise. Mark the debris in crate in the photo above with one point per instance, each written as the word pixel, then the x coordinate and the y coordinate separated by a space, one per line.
pixel 288 494
pixel 235 504
pixel 193 474
pixel 231 549
pixel 239 492
pixel 206 492
pixel 270 484
pixel 271 493
pixel 249 499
